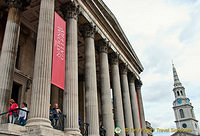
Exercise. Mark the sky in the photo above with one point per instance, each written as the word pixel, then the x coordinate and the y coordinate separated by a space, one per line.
pixel 161 31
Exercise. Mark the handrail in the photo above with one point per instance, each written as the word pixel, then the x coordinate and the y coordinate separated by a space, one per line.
pixel 84 125
pixel 13 111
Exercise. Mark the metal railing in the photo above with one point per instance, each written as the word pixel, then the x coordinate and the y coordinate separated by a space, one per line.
pixel 17 109
pixel 1 114
pixel 60 121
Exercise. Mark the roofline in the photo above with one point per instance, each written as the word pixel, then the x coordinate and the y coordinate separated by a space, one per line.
pixel 125 39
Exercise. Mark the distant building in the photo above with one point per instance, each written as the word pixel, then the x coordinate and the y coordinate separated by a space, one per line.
pixel 183 110
pixel 149 127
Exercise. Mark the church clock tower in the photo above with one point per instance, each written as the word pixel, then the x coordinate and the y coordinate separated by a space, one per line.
pixel 183 109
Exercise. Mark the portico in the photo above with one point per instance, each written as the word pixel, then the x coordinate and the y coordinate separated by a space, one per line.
pixel 99 58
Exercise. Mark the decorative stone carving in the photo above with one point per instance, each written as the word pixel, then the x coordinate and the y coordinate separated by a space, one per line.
pixel 20 4
pixel 88 30
pixel 103 45
pixel 70 10
pixel 123 68
pixel 138 84
pixel 132 77
pixel 114 58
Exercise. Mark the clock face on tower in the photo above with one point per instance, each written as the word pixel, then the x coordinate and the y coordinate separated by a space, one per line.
pixel 179 101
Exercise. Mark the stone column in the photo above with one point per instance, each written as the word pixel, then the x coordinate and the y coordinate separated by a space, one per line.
pixel 140 104
pixel 3 20
pixel 117 96
pixel 9 52
pixel 40 96
pixel 106 103
pixel 134 104
pixel 81 94
pixel 126 100
pixel 90 81
pixel 70 98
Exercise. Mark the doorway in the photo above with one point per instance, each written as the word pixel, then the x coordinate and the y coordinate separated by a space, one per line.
pixel 16 92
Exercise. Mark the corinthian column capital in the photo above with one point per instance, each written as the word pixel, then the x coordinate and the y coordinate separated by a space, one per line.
pixel 70 10
pixel 103 45
pixel 138 84
pixel 114 58
pixel 131 77
pixel 20 4
pixel 123 68
pixel 88 30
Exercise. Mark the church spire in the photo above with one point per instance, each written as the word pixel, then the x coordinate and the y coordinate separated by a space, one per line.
pixel 183 109
pixel 176 79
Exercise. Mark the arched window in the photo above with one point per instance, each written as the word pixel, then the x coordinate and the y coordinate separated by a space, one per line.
pixel 181 113
pixel 181 93
pixel 178 93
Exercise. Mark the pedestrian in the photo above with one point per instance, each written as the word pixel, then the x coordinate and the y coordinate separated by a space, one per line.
pixel 13 113
pixel 55 115
pixel 102 131
pixel 79 121
pixel 23 115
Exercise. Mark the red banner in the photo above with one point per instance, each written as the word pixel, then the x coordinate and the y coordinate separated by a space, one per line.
pixel 58 64
pixel 138 109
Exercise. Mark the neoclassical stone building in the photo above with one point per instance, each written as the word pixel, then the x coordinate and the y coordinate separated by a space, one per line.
pixel 100 64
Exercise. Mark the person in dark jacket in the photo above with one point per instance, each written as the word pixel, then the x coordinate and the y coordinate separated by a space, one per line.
pixel 102 131
pixel 54 115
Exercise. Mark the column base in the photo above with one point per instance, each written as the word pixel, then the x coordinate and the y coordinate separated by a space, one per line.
pixel 8 129
pixel 43 131
pixel 39 122
pixel 72 132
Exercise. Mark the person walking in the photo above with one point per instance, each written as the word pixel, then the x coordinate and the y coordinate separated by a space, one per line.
pixel 13 113
pixel 23 115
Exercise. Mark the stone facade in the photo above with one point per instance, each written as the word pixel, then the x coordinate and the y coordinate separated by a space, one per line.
pixel 99 58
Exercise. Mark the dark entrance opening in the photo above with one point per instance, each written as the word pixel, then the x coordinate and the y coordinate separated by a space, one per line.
pixel 15 92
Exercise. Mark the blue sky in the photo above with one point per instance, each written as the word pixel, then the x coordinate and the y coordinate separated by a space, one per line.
pixel 161 31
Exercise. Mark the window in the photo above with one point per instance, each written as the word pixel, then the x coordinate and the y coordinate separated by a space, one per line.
pixel 178 93
pixel 181 93
pixel 181 113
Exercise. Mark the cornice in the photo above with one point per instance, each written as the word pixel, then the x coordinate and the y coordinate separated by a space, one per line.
pixel 117 28
pixel 101 13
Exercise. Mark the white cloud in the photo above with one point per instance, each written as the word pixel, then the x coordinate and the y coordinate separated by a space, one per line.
pixel 162 30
